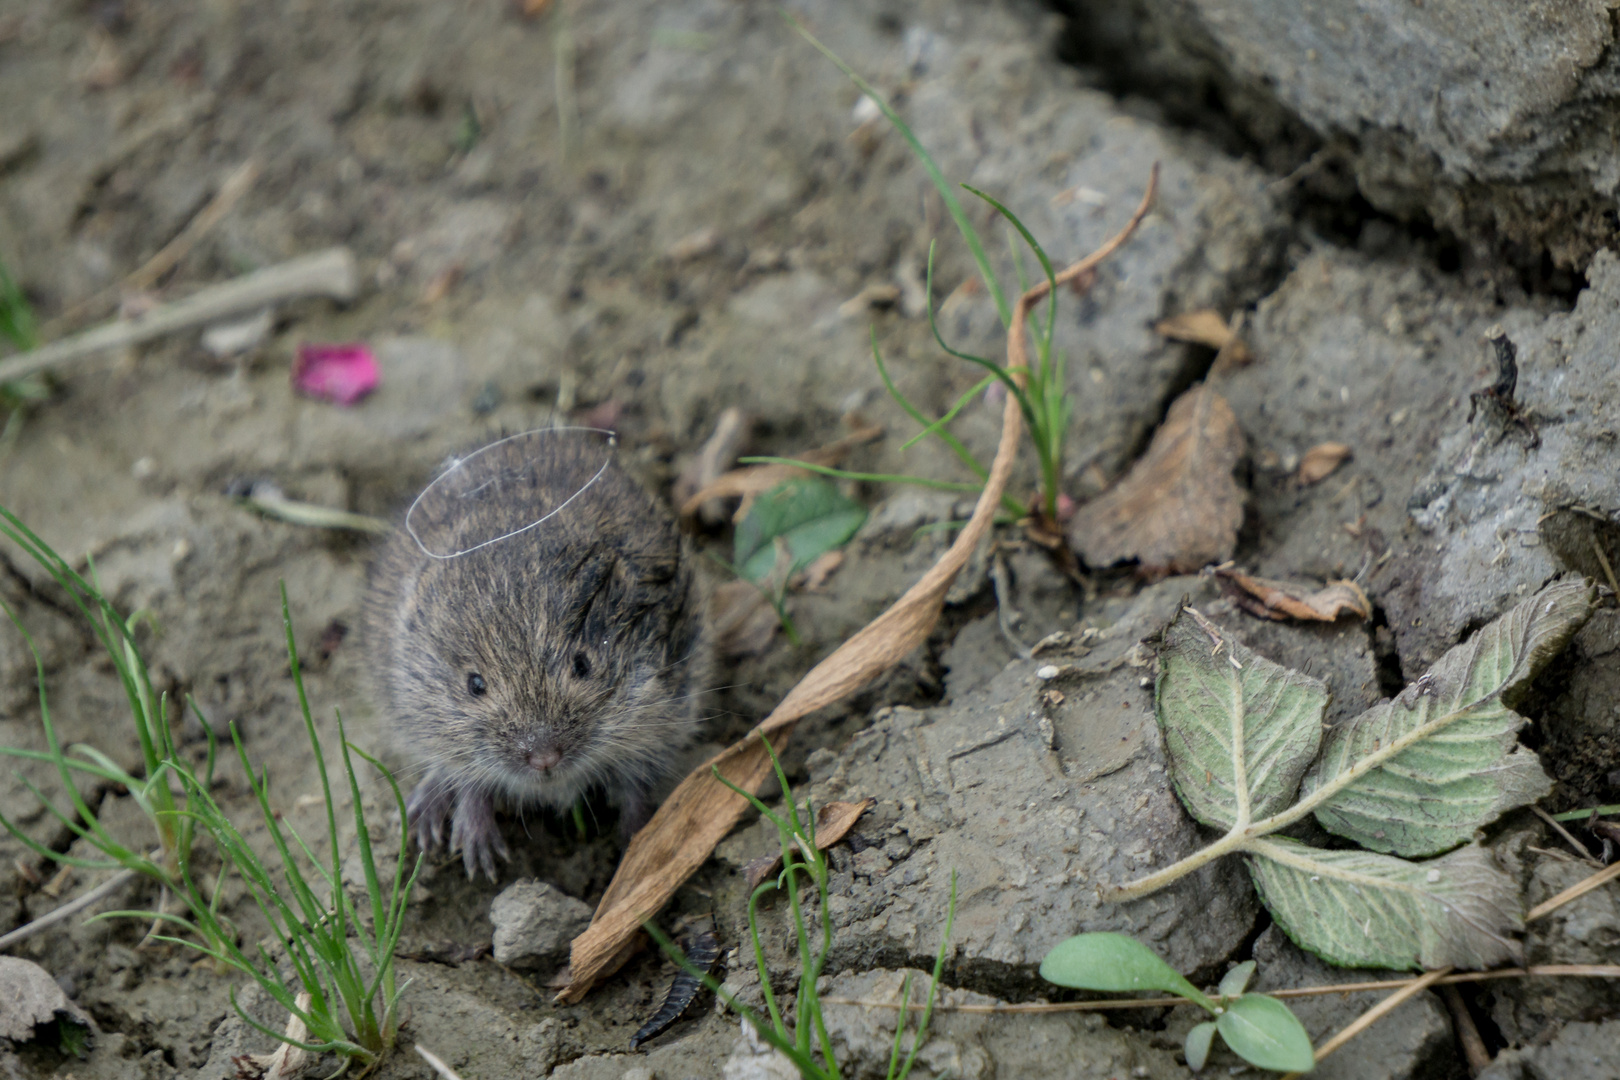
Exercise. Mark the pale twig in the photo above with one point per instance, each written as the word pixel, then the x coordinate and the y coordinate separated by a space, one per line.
pixel 1580 848
pixel 1375 1014
pixel 65 911
pixel 1473 1046
pixel 1580 888
pixel 1583 971
pixel 238 184
pixel 330 273
pixel 437 1064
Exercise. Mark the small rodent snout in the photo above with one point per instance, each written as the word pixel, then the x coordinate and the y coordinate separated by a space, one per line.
pixel 544 758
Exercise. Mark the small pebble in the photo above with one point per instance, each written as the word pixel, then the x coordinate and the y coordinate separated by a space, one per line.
pixel 1046 672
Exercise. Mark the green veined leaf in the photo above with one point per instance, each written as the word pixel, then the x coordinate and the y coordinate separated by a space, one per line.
pixel 1461 767
pixel 1104 961
pixel 809 515
pixel 1263 1031
pixel 1199 1040
pixel 1240 730
pixel 1359 909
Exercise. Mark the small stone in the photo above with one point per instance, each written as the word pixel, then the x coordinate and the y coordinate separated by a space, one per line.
pixel 1046 672
pixel 534 923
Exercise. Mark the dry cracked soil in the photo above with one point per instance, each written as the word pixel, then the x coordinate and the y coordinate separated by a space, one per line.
pixel 643 214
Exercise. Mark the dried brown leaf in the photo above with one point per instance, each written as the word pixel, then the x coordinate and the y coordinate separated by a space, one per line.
pixel 1179 507
pixel 833 822
pixel 1320 461
pixel 701 811
pixel 1287 600
pixel 1205 327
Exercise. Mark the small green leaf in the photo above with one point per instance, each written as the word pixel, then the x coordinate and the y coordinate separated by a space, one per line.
pixel 1358 909
pixel 1115 962
pixel 1240 730
pixel 1263 1031
pixel 1440 788
pixel 810 516
pixel 1198 1043
pixel 1237 980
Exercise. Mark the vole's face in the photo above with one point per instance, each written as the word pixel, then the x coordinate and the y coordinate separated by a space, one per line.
pixel 535 703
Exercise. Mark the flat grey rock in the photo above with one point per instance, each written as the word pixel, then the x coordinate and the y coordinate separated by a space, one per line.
pixel 534 923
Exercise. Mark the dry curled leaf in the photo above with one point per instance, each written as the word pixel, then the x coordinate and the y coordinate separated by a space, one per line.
pixel 741 620
pixel 1286 600
pixel 1204 327
pixel 1179 507
pixel 1320 461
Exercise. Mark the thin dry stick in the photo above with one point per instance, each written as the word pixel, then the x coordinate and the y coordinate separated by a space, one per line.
pixel 1580 848
pixel 1374 1014
pixel 1584 971
pixel 72 907
pixel 1473 1046
pixel 1580 888
pixel 329 273
pixel 238 184
pixel 436 1063
pixel 701 811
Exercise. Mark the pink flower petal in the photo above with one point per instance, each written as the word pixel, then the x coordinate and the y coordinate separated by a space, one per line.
pixel 342 374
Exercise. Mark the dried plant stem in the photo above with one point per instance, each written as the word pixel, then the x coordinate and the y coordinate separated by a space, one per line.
pixel 1473 1046
pixel 1579 848
pixel 1584 971
pixel 69 909
pixel 329 273
pixel 437 1064
pixel 701 811
pixel 1579 889
pixel 1375 1014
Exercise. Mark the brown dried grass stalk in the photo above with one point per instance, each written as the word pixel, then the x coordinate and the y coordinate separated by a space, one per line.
pixel 701 811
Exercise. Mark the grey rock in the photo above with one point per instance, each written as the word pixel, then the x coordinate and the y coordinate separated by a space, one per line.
pixel 534 923
pixel 971 1046
pixel 29 997
pixel 1493 117
pixel 1580 1051
pixel 1038 803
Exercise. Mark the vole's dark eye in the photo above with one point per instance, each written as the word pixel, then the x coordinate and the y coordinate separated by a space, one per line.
pixel 476 685
pixel 582 665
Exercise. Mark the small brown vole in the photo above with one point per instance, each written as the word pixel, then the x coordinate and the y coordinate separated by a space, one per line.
pixel 533 630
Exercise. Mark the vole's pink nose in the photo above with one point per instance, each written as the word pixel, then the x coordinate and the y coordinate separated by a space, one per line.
pixel 545 758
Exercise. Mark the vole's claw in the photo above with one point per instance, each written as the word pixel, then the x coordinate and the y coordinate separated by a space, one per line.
pixel 427 810
pixel 474 831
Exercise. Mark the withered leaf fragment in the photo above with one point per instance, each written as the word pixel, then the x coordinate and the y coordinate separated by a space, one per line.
pixel 1202 327
pixel 1286 600
pixel 1179 508
pixel 1320 461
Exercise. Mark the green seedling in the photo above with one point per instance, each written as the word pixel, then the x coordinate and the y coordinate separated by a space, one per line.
pixel 341 956
pixel 1043 396
pixel 19 329
pixel 1412 782
pixel 804 1041
pixel 788 528
pixel 1259 1029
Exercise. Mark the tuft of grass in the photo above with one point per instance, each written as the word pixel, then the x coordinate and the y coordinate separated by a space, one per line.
pixel 329 962
pixel 1042 396
pixel 804 1041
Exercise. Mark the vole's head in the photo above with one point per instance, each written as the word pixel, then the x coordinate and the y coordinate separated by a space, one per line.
pixel 536 673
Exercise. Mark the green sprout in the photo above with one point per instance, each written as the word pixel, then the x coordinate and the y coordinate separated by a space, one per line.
pixel 1259 1029
pixel 1042 396
pixel 342 987
pixel 804 1042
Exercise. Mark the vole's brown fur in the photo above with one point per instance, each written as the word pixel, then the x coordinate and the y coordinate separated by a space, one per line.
pixel 537 667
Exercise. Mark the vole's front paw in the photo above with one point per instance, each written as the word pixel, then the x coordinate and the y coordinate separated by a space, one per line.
pixel 427 811
pixel 475 833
